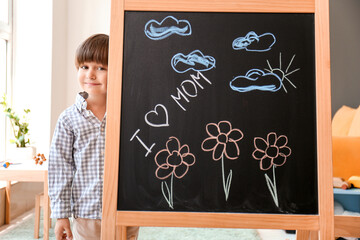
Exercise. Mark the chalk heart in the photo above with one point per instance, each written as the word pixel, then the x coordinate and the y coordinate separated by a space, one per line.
pixel 157 117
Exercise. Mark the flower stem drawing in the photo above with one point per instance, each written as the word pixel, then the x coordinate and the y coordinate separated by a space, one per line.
pixel 227 183
pixel 174 160
pixel 222 141
pixel 168 195
pixel 272 152
pixel 272 186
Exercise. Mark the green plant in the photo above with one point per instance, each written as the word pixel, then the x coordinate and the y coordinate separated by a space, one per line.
pixel 19 127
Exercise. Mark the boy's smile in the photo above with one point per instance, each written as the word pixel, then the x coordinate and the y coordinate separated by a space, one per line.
pixel 92 78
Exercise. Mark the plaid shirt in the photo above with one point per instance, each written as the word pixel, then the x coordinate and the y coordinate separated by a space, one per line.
pixel 76 163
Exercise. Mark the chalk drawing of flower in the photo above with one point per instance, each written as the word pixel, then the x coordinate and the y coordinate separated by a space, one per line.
pixel 174 160
pixel 222 141
pixel 272 152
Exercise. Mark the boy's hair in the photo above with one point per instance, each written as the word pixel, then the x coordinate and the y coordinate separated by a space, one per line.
pixel 93 49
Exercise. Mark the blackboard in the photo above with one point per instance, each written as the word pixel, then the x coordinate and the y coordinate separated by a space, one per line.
pixel 252 73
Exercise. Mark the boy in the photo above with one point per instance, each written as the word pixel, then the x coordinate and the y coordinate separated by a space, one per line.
pixel 76 160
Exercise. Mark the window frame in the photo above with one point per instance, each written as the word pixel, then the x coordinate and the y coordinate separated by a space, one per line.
pixel 6 33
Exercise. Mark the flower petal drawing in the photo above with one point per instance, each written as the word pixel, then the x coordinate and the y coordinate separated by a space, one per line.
pixel 209 144
pixel 271 139
pixel 172 144
pixel 181 170
pixel 161 158
pixel 258 154
pixel 224 127
pixel 232 150
pixel 260 143
pixel 218 152
pixel 281 141
pixel 189 159
pixel 285 151
pixel 212 129
pixel 163 172
pixel 167 27
pixel 279 160
pixel 272 151
pixel 266 163
pixel 235 134
pixel 184 150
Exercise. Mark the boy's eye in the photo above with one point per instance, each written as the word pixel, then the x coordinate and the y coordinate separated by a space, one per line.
pixel 84 67
pixel 102 69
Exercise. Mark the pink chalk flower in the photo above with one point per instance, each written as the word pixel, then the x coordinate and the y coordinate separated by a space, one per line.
pixel 175 159
pixel 222 140
pixel 272 151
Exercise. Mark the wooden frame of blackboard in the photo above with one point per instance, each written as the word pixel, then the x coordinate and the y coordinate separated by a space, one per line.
pixel 114 222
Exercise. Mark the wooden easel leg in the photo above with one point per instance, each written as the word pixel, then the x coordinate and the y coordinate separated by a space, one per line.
pixel 120 232
pixel 7 202
pixel 302 235
pixel 314 235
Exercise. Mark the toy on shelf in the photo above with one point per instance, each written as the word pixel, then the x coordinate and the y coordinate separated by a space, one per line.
pixel 39 159
pixel 346 142
pixel 355 181
pixel 341 183
pixel 7 164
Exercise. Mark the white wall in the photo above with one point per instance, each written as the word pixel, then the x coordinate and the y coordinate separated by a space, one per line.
pixel 85 17
pixel 59 66
pixel 32 67
pixel 74 21
pixel 345 53
pixel 47 34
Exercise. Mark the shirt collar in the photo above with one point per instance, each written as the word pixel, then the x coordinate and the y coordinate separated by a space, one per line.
pixel 80 101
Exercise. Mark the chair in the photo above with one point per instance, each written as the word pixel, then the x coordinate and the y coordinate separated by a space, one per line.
pixel 39 202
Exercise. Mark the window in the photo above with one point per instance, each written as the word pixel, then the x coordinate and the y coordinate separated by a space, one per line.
pixel 5 63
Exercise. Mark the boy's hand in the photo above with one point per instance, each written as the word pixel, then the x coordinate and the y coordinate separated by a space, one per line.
pixel 62 229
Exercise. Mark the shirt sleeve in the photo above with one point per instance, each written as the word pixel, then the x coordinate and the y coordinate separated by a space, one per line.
pixel 61 169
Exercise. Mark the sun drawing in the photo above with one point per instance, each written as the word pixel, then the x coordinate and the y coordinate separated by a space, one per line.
pixel 281 73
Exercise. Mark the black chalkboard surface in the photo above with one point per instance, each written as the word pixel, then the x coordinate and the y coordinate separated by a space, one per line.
pixel 218 113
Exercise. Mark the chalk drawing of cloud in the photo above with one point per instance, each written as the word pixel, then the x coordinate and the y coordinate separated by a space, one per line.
pixel 256 79
pixel 168 26
pixel 195 60
pixel 254 43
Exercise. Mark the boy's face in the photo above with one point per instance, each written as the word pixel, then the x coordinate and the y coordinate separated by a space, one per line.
pixel 92 78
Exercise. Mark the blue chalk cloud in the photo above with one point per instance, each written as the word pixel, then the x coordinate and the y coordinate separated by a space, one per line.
pixel 256 79
pixel 168 26
pixel 195 60
pixel 254 43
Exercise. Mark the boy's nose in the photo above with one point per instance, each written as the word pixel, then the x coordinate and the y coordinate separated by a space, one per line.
pixel 91 74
